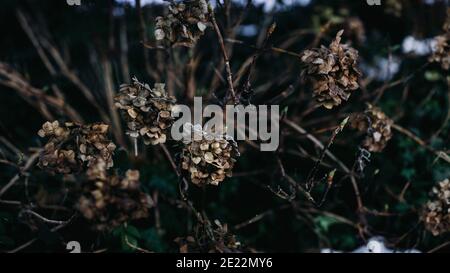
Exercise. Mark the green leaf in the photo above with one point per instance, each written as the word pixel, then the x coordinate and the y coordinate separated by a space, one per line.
pixel 325 222
pixel 408 173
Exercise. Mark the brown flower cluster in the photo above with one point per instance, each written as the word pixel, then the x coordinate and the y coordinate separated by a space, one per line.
pixel 220 241
pixel 108 201
pixel 355 29
pixel 332 72
pixel 441 50
pixel 436 214
pixel 394 7
pixel 377 126
pixel 209 157
pixel 71 145
pixel 185 23
pixel 148 112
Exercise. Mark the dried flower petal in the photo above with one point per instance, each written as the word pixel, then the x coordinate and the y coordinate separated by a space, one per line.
pixel 147 111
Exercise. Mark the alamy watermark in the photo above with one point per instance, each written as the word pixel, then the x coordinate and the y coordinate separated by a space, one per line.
pixel 250 122
pixel 74 247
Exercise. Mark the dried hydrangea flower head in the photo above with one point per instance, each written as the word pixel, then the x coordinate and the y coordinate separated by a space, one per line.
pixel 208 157
pixel 221 241
pixel 108 201
pixel 71 145
pixel 332 71
pixel 377 126
pixel 436 214
pixel 441 48
pixel 185 23
pixel 148 111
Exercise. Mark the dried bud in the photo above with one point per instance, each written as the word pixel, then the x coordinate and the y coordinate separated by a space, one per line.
pixel 377 127
pixel 72 145
pixel 107 201
pixel 209 157
pixel 185 23
pixel 436 213
pixel 332 72
pixel 147 111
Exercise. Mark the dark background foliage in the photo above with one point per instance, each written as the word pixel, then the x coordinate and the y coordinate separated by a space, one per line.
pixel 396 182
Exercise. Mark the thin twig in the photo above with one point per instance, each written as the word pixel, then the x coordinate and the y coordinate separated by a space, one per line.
pixel 143 37
pixel 439 247
pixel 332 157
pixel 224 54
pixel 272 48
pixel 42 218
pixel 312 173
pixel 247 84
pixel 187 202
pixel 30 163
pixel 27 244
pixel 260 216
